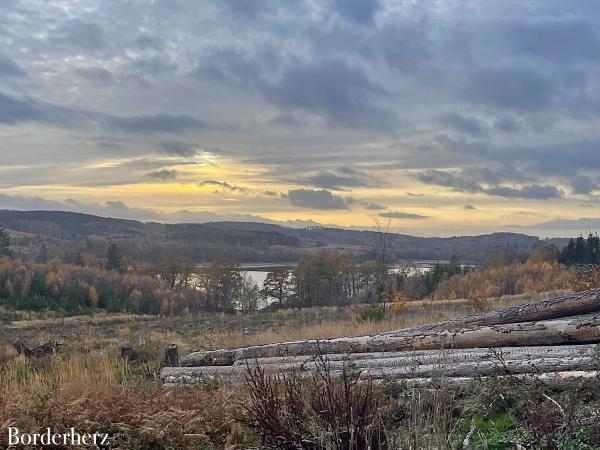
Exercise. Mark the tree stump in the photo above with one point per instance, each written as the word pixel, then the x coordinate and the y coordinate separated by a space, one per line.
pixel 171 356
pixel 127 353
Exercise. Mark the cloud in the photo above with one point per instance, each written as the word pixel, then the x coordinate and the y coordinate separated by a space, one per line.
pixel 157 123
pixel 178 148
pixel 316 199
pixel 360 12
pixel 78 33
pixel 26 109
pixel 163 174
pixel 247 10
pixel 583 184
pixel 97 75
pixel 339 92
pixel 473 180
pixel 463 124
pixel 223 185
pixel 582 225
pixel 118 209
pixel 532 192
pixel 401 215
pixel 447 179
pixel 8 68
pixel 513 86
pixel 344 178
pixel 500 99
pixel 468 206
pixel 373 206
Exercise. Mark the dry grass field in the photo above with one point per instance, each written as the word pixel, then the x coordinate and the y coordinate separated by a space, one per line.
pixel 88 386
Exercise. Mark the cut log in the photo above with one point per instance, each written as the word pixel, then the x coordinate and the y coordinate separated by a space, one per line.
pixel 579 303
pixel 391 359
pixel 555 380
pixel 585 329
pixel 458 369
pixel 448 363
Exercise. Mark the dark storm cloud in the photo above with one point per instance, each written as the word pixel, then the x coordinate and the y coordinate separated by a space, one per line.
pixel 316 199
pixel 163 174
pixel 401 215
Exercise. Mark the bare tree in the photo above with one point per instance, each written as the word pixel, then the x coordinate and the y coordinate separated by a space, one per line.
pixel 381 245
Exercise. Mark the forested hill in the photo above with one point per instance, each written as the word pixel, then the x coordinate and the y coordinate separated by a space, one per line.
pixel 243 241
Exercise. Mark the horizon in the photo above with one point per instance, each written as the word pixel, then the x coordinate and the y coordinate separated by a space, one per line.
pixel 298 225
pixel 445 120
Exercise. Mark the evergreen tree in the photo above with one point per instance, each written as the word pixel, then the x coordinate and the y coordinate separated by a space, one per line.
pixel 78 260
pixel 4 243
pixel 581 251
pixel 113 258
pixel 42 256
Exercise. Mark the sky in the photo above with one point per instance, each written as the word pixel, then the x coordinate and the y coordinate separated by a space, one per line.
pixel 444 117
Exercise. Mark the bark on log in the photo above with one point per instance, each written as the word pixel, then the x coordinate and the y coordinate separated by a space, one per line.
pixel 555 380
pixel 171 358
pixel 578 303
pixel 459 369
pixel 450 363
pixel 391 359
pixel 585 329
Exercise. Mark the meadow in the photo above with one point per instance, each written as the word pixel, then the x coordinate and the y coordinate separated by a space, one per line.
pixel 87 385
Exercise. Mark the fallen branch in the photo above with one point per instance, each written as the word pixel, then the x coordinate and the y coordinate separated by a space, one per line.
pixel 40 351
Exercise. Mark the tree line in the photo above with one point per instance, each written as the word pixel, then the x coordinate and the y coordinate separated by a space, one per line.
pixel 173 284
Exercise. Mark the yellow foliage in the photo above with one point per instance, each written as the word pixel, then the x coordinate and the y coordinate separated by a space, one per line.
pixel 517 278
pixel 93 296
pixel 398 301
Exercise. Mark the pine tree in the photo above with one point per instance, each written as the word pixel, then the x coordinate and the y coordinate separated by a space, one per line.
pixel 78 260
pixel 113 258
pixel 42 256
pixel 4 243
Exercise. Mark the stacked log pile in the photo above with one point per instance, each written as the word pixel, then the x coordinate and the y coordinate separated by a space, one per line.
pixel 553 340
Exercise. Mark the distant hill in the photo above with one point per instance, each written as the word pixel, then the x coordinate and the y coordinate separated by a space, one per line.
pixel 243 241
